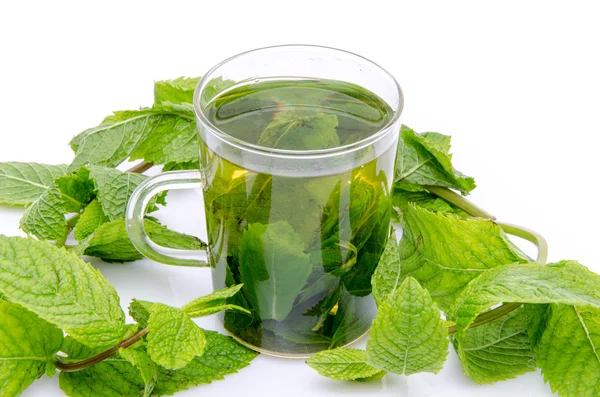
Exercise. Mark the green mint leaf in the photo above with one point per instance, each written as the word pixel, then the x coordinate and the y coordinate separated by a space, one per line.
pixel 27 345
pixel 348 325
pixel 113 189
pixel 192 165
pixel 402 198
pixel 387 276
pixel 113 377
pixel 213 303
pixel 111 142
pixel 139 310
pixel 445 252
pixel 273 268
pixel 566 282
pixel 538 317
pixel 24 183
pixel 77 187
pixel 62 289
pixel 408 334
pixel 173 338
pixel 568 351
pixel 424 159
pixel 222 356
pixel 45 217
pixel 179 90
pixel 147 368
pixel 497 350
pixel 343 364
pixel 301 133
pixel 174 138
pixel 91 219
pixel 119 135
pixel 324 308
pixel 111 243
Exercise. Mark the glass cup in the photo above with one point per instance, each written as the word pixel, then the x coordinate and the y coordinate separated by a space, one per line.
pixel 303 230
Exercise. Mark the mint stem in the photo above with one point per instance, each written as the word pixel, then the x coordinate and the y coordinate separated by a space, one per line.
pixel 88 362
pixel 489 316
pixel 140 168
pixel 515 230
pixel 459 201
pixel 531 236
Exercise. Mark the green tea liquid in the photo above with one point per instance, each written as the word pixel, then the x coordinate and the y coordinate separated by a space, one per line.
pixel 305 248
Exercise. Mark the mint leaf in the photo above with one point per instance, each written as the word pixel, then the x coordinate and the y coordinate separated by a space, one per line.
pixel 119 135
pixel 192 165
pixel 537 321
pixel 387 276
pixel 77 187
pixel 113 189
pixel 179 90
pixel 424 159
pixel 222 356
pixel 173 338
pixel 497 350
pixel 111 243
pixel 348 325
pixel 147 368
pixel 174 138
pixel 213 303
pixel 273 268
pixel 566 282
pixel 568 351
pixel 23 183
pixel 113 377
pixel 343 364
pixel 408 334
pixel 290 131
pixel 445 252
pixel 62 289
pixel 402 198
pixel 91 219
pixel 27 346
pixel 45 217
pixel 139 310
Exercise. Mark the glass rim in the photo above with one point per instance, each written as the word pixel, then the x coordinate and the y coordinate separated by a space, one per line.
pixel 313 153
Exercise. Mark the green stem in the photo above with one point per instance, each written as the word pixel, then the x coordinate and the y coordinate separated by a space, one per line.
pixel 140 168
pixel 489 316
pixel 531 236
pixel 519 231
pixel 88 362
pixel 460 202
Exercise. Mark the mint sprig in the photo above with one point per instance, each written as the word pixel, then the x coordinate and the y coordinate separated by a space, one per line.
pixel 548 314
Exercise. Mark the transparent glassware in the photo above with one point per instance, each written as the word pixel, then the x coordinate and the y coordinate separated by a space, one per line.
pixel 302 229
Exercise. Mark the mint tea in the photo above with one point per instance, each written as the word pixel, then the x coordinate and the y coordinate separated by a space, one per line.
pixel 305 247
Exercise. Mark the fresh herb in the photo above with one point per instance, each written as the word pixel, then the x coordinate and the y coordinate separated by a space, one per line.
pixel 47 290
pixel 309 251
pixel 464 261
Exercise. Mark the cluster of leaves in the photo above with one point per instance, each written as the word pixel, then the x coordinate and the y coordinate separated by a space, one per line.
pixel 441 284
pixel 57 311
pixel 93 192
pixel 48 291
pixel 464 266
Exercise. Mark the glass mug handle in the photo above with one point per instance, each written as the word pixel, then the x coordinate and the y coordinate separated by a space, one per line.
pixel 136 209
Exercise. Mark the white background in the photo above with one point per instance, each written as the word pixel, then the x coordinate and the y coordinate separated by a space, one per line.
pixel 516 84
